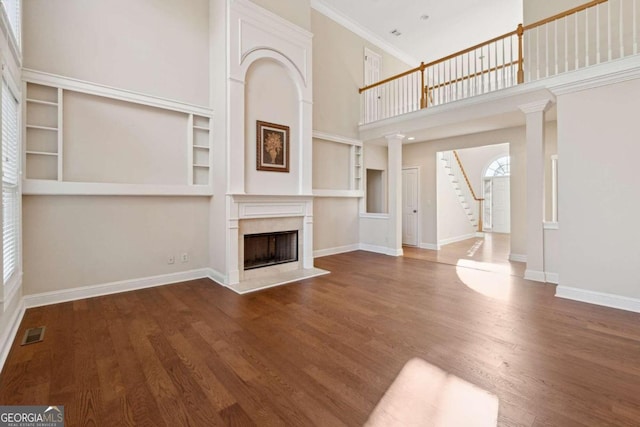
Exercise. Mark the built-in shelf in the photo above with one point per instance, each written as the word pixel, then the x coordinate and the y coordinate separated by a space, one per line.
pixel 199 151
pixel 43 132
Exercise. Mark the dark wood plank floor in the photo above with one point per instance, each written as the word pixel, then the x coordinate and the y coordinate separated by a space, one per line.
pixel 323 352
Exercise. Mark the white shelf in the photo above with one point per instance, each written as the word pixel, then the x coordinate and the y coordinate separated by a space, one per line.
pixel 42 128
pixel 201 128
pixel 42 153
pixel 39 101
pixel 51 187
pixel 201 166
pixel 202 147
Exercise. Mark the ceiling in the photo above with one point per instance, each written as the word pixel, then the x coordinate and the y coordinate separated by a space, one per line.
pixel 452 25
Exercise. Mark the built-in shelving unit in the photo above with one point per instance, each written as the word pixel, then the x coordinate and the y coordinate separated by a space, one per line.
pixel 43 132
pixel 357 168
pixel 199 150
pixel 44 149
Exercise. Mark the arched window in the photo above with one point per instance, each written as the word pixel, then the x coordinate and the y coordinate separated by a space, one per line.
pixel 499 167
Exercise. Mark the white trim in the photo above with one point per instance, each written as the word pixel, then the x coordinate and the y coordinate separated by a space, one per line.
pixel 535 106
pixel 374 215
pixel 9 336
pixel 14 284
pixel 599 298
pixel 456 239
pixel 338 193
pixel 5 26
pixel 594 76
pixel 351 25
pixel 381 250
pixel 49 187
pixel 536 276
pixel 336 138
pixel 217 277
pixel 551 225
pixel 67 83
pixel 335 251
pixel 517 257
pixel 65 295
pixel 430 246
pixel 552 277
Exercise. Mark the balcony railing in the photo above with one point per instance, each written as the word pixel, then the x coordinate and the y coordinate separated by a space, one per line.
pixel 596 32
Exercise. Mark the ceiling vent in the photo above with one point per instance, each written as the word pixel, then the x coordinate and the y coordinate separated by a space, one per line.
pixel 396 33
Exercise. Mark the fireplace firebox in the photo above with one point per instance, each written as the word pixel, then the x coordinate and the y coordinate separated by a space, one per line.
pixel 266 249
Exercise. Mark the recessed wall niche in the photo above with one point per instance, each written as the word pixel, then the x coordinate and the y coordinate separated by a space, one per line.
pixel 271 96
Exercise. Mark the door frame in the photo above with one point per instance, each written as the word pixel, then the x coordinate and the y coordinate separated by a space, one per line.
pixel 419 216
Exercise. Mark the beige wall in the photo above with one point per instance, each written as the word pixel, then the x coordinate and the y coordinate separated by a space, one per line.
pixel 119 142
pixel 338 73
pixel 598 203
pixel 294 11
pixel 155 47
pixel 332 165
pixel 271 96
pixel 424 155
pixel 337 215
pixel 536 10
pixel 80 241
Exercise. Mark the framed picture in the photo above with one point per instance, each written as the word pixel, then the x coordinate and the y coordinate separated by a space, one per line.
pixel 272 147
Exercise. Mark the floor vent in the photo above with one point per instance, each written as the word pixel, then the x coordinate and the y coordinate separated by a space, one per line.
pixel 33 335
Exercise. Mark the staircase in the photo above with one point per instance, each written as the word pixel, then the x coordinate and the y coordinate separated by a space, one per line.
pixel 461 186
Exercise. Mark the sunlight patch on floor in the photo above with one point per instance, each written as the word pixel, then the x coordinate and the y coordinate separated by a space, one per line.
pixel 497 286
pixel 425 395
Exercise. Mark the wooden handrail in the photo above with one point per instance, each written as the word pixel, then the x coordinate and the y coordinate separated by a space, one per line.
pixel 473 193
pixel 466 178
pixel 387 80
pixel 563 14
pixel 479 73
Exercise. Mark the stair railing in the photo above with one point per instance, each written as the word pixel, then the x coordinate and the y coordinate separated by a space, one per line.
pixel 595 32
pixel 468 188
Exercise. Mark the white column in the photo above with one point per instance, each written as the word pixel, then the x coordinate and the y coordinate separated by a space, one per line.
pixel 306 147
pixel 235 149
pixel 233 234
pixel 394 170
pixel 308 235
pixel 535 113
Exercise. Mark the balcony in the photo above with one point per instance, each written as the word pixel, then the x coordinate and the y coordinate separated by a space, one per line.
pixel 595 33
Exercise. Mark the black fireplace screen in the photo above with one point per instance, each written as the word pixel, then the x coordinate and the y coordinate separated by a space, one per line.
pixel 265 249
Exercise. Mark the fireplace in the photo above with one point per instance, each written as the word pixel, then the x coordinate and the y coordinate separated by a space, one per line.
pixel 266 249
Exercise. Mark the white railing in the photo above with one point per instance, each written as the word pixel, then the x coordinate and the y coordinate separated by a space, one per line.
pixel 596 32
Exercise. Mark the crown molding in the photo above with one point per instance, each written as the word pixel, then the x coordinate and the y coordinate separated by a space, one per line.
pixel 608 73
pixel 353 26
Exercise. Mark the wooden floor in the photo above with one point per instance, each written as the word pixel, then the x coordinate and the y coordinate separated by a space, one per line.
pixel 323 352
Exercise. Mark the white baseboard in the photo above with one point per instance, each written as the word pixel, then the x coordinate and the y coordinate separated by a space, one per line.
pixel 217 277
pixel 599 298
pixel 65 295
pixel 536 276
pixel 9 335
pixel 552 277
pixel 430 246
pixel 517 257
pixel 381 250
pixel 456 239
pixel 337 250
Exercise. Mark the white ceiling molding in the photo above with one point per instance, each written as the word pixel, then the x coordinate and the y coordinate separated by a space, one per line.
pixel 351 25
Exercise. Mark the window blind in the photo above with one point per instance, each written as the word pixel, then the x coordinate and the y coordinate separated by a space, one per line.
pixel 10 176
pixel 12 7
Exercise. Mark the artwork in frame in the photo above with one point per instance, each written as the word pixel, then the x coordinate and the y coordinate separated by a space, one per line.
pixel 272 147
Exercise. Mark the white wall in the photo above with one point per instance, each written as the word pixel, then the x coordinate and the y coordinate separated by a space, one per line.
pixel 453 223
pixel 336 215
pixel 271 96
pixel 295 11
pixel 80 241
pixel 536 10
pixel 331 165
pixel 424 154
pixel 598 203
pixel 156 47
pixel 338 73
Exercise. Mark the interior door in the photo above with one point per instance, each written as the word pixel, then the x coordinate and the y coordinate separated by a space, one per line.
pixel 410 187
pixel 501 205
pixel 372 66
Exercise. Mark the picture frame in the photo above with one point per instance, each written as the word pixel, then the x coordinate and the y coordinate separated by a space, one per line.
pixel 272 147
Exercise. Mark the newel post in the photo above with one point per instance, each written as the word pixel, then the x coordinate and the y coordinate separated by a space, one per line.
pixel 423 99
pixel 520 54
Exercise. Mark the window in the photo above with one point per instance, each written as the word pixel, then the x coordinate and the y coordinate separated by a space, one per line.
pixel 10 183
pixel 12 9
pixel 500 167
